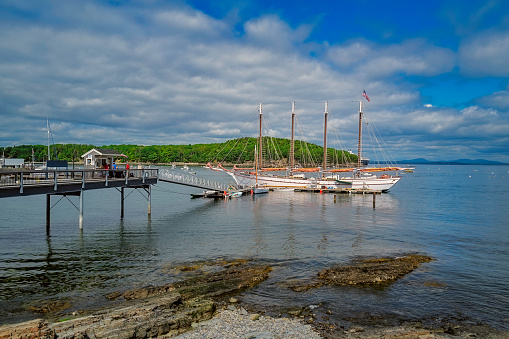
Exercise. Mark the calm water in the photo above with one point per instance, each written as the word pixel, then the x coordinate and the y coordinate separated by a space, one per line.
pixel 456 214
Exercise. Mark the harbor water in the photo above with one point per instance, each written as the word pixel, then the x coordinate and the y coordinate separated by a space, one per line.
pixel 455 214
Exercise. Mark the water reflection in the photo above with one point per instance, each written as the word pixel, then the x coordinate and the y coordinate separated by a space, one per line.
pixel 302 232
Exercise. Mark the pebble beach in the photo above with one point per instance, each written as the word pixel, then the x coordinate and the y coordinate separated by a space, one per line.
pixel 238 323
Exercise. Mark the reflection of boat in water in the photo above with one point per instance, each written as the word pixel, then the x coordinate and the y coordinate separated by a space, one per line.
pixel 294 177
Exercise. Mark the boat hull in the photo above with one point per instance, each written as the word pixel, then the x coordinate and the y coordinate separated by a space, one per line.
pixel 371 183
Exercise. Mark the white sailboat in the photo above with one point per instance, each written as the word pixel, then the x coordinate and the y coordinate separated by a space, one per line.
pixel 360 178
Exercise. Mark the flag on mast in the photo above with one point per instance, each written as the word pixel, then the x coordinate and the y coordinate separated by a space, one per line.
pixel 365 95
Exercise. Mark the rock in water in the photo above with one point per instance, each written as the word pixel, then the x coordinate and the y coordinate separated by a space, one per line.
pixel 373 271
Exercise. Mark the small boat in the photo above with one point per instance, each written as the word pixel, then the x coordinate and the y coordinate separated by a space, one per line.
pixel 209 194
pixel 235 195
pixel 260 190
pixel 185 168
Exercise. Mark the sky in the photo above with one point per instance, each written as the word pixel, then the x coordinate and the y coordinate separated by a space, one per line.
pixel 154 72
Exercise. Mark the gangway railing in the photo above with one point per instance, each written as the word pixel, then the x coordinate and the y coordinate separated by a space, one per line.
pixel 192 180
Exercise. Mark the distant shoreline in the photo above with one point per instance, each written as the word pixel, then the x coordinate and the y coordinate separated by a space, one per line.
pixel 490 163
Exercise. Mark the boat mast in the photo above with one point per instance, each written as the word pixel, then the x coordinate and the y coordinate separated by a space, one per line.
pixel 325 137
pixel 359 150
pixel 256 167
pixel 260 138
pixel 292 143
pixel 47 126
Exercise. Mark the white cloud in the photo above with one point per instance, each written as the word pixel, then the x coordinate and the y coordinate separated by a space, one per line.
pixel 190 22
pixel 271 32
pixel 176 75
pixel 485 54
pixel 412 57
pixel 499 100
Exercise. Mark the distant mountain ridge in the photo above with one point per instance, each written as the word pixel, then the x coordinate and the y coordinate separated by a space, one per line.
pixel 453 162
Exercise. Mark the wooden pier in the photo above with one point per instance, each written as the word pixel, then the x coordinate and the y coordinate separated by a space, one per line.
pixel 18 183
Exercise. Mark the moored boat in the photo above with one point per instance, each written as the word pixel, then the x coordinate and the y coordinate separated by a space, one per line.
pixel 292 177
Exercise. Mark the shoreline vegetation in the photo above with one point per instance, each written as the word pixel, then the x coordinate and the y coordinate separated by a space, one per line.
pixel 201 154
pixel 207 303
pixel 228 153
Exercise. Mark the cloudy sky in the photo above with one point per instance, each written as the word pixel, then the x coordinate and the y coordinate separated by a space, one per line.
pixel 185 72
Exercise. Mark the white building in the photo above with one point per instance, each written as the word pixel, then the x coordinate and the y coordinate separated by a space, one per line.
pixel 98 157
pixel 11 163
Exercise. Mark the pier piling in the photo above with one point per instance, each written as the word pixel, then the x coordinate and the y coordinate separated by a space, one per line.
pixel 122 202
pixel 48 212
pixel 149 191
pixel 81 210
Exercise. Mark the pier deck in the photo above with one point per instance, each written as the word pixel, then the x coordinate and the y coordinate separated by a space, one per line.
pixel 14 183
pixel 19 183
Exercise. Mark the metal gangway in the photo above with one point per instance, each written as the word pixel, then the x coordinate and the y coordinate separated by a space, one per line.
pixel 192 180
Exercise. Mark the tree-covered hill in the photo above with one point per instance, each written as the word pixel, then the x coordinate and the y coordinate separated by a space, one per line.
pixel 276 152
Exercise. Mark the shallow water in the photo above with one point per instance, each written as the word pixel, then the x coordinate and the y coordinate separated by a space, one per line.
pixel 456 214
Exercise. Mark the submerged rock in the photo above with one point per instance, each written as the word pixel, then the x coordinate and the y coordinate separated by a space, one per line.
pixel 373 271
pixel 363 272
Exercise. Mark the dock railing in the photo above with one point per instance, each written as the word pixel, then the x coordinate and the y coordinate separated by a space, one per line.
pixel 192 180
pixel 19 179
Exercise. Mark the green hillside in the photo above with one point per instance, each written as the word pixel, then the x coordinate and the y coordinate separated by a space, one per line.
pixel 236 151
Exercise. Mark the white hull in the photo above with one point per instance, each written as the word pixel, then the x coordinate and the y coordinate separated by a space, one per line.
pixel 260 190
pixel 368 183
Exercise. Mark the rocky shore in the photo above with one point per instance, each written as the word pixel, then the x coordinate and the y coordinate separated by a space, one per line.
pixel 205 305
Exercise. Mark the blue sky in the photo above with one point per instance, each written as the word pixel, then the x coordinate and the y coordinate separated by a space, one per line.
pixel 185 72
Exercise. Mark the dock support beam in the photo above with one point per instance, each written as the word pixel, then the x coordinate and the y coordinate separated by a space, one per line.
pixel 149 200
pixel 48 213
pixel 122 202
pixel 81 210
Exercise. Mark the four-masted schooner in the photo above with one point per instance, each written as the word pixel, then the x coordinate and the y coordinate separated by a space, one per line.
pixel 360 178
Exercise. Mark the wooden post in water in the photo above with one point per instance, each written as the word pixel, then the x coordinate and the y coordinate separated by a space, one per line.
pixel 48 212
pixel 150 200
pixel 81 210
pixel 122 202
pixel 374 199
pixel 335 195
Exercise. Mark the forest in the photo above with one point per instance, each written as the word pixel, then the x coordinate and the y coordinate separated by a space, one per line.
pixel 237 151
